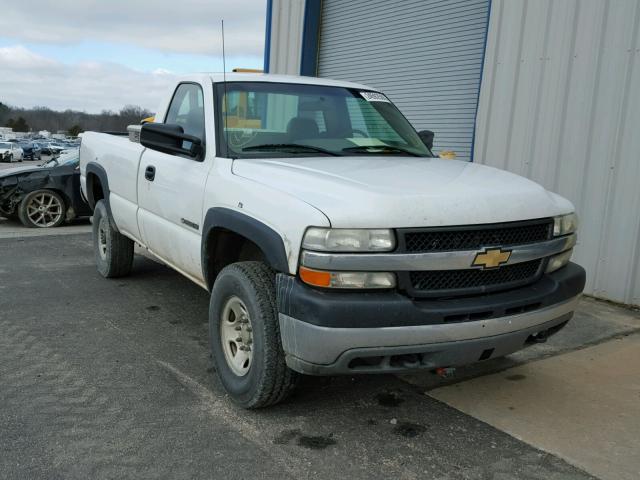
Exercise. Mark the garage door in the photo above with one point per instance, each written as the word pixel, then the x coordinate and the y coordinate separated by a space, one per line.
pixel 426 55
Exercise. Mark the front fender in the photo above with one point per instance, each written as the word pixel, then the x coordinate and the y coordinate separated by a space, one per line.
pixel 269 241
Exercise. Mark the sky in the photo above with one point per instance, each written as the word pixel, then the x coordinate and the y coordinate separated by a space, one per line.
pixel 95 55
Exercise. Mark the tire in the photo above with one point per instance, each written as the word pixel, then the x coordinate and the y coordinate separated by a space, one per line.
pixel 42 209
pixel 10 158
pixel 267 380
pixel 113 251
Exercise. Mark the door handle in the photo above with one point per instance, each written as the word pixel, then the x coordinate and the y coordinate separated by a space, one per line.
pixel 150 173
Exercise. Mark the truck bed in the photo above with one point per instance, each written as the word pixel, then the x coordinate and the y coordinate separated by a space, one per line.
pixel 120 159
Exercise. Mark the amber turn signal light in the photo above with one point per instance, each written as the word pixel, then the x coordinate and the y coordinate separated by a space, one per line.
pixel 315 277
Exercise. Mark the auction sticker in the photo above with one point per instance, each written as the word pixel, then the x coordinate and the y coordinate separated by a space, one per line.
pixel 374 97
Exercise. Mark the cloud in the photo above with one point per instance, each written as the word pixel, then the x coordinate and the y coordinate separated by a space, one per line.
pixel 187 26
pixel 21 58
pixel 30 80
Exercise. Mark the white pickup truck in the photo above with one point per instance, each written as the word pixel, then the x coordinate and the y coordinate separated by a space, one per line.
pixel 330 237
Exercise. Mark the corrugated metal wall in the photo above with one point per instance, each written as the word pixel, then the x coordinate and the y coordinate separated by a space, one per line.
pixel 560 103
pixel 425 54
pixel 287 20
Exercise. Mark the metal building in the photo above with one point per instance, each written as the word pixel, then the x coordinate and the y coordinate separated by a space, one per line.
pixel 549 89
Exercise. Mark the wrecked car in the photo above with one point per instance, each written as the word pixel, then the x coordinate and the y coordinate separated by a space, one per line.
pixel 43 196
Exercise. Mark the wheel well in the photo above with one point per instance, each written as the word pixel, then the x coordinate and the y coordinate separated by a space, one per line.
pixel 95 192
pixel 224 247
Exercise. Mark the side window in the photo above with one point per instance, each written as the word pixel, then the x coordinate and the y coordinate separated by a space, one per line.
pixel 187 109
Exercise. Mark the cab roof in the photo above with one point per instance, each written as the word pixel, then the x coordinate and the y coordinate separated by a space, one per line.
pixel 267 77
pixel 203 78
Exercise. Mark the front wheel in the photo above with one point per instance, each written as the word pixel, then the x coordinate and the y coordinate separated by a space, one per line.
pixel 113 251
pixel 42 209
pixel 245 336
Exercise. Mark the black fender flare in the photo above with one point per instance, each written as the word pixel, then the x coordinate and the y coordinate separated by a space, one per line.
pixel 99 171
pixel 266 238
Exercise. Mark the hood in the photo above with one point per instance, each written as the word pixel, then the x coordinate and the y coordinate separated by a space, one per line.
pixel 4 150
pixel 7 172
pixel 388 192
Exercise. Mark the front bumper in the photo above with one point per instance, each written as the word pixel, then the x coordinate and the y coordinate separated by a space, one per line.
pixel 326 333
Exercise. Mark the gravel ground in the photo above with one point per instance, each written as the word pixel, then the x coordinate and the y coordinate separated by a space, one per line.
pixel 112 379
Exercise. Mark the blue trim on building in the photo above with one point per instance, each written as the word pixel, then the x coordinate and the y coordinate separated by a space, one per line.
pixel 310 38
pixel 267 37
pixel 484 53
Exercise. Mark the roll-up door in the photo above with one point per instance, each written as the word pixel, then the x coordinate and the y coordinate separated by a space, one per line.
pixel 426 55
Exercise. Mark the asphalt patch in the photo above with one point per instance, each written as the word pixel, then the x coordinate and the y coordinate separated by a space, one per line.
pixel 316 442
pixel 409 430
pixel 313 442
pixel 287 436
pixel 389 399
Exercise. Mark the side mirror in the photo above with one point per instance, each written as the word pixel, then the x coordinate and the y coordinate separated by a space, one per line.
pixel 170 139
pixel 427 138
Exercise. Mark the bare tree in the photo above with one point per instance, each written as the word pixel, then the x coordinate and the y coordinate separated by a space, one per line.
pixel 43 118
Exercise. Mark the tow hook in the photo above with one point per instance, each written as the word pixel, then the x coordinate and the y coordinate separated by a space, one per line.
pixel 445 372
pixel 540 337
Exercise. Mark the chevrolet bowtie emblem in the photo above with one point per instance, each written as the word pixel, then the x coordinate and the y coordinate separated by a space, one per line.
pixel 491 258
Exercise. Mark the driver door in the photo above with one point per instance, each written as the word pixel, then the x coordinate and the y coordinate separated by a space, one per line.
pixel 171 189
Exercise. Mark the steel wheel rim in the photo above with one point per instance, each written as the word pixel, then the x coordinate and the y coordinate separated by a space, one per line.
pixel 236 336
pixel 102 239
pixel 44 210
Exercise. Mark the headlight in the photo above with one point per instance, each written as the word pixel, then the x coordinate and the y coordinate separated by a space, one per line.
pixel 321 278
pixel 348 240
pixel 558 261
pixel 565 224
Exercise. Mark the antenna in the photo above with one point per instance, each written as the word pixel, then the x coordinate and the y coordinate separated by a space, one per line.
pixel 226 100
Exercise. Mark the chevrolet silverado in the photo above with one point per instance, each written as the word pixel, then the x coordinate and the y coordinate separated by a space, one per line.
pixel 330 237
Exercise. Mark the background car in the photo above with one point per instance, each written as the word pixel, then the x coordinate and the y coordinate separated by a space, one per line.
pixel 10 152
pixel 31 151
pixel 46 195
pixel 49 150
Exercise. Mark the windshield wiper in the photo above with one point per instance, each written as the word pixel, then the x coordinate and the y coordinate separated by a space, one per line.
pixel 290 146
pixel 373 148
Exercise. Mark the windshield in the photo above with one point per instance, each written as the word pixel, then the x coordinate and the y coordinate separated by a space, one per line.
pixel 5 145
pixel 284 120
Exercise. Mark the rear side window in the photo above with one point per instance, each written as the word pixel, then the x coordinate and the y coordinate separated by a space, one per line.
pixel 187 109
